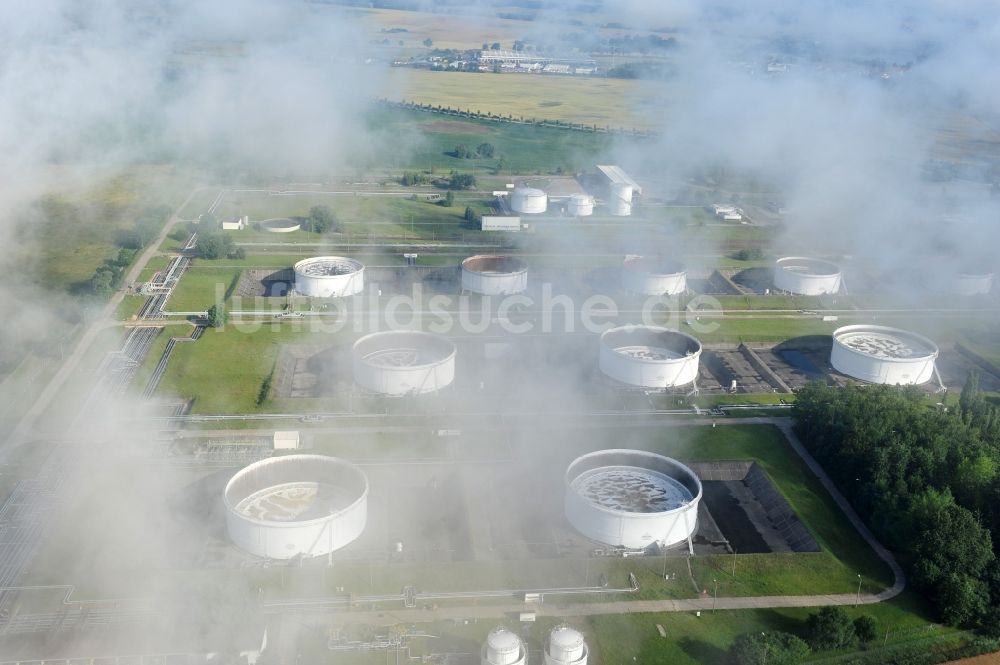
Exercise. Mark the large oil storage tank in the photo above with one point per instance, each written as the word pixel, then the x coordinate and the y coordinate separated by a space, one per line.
pixel 566 646
pixel 879 354
pixel 806 276
pixel 492 275
pixel 403 362
pixel 296 505
pixel 632 498
pixel 649 356
pixel 580 205
pixel 620 201
pixel 528 201
pixel 503 647
pixel 329 277
pixel 653 276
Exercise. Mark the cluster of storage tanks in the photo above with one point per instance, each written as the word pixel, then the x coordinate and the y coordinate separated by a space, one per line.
pixel 526 200
pixel 565 646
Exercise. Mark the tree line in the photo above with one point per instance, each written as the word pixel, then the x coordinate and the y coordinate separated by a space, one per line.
pixel 926 481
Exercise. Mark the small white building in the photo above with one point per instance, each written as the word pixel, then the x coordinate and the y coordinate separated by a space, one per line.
pixel 498 223
pixel 286 440
pixel 237 224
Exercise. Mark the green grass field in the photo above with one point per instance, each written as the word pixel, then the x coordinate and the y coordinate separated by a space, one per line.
pixel 360 216
pixel 419 140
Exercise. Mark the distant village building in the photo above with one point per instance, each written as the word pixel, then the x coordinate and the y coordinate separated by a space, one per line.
pixel 508 60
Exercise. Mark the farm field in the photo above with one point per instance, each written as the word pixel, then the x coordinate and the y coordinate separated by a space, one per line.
pixel 618 103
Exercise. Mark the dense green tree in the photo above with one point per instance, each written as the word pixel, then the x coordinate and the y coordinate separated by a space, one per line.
pixel 102 283
pixel 321 219
pixel 428 42
pixel 925 478
pixel 449 199
pixel 217 316
pixel 461 181
pixel 214 245
pixel 125 257
pixel 485 150
pixel 470 214
pixel 943 539
pixel 961 599
pixel 830 628
pixel 772 648
pixel 866 628
pixel 461 151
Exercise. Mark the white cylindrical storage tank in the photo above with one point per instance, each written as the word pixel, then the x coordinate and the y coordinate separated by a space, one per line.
pixel 879 354
pixel 280 225
pixel 580 205
pixel 566 647
pixel 403 362
pixel 973 284
pixel 632 498
pixel 528 201
pixel 620 204
pixel 503 647
pixel 649 356
pixel 296 505
pixel 806 276
pixel 653 276
pixel 329 277
pixel 492 275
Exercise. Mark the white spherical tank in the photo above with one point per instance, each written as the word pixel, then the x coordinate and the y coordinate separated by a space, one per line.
pixel 503 647
pixel 878 354
pixel 329 277
pixel 973 284
pixel 620 203
pixel 580 205
pixel 632 498
pixel 528 201
pixel 296 505
pixel 566 646
pixel 653 276
pixel 403 362
pixel 806 276
pixel 649 356
pixel 491 275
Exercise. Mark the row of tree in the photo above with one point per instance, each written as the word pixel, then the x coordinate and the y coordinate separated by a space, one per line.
pixel 829 628
pixel 926 480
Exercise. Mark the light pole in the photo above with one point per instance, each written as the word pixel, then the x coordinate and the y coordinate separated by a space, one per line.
pixel 765 648
pixel 857 600
pixel 715 598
